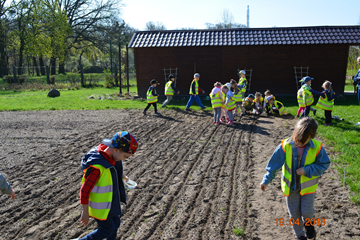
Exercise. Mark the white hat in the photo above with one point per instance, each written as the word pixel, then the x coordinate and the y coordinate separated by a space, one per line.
pixel 242 71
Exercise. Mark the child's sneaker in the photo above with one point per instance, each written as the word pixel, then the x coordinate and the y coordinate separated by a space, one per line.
pixel 203 107
pixel 302 238
pixel 326 124
pixel 221 121
pixel 144 112
pixel 314 112
pixel 157 113
pixel 187 109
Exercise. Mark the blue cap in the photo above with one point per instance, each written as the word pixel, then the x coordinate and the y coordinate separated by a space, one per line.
pixel 306 79
pixel 251 96
pixel 196 75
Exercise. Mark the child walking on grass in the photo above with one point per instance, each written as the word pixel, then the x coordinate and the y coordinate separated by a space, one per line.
pixel 102 187
pixel 152 96
pixel 194 93
pixel 6 188
pixel 302 160
pixel 170 90
pixel 326 101
pixel 216 97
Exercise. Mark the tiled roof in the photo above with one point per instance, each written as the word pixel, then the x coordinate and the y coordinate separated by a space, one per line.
pixel 247 36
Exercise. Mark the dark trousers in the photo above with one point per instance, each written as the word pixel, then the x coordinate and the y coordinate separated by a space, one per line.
pixel 327 117
pixel 149 104
pixel 358 94
pixel 107 229
pixel 306 112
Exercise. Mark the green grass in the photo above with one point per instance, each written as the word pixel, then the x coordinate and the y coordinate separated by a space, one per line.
pixel 238 230
pixel 342 136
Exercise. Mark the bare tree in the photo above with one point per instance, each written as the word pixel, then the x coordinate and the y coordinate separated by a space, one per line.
pixel 151 26
pixel 227 21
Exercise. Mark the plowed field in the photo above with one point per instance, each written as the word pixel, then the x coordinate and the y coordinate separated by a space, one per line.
pixel 195 180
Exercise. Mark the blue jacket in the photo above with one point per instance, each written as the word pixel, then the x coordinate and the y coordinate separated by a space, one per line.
pixel 4 185
pixel 152 89
pixel 356 78
pixel 119 194
pixel 277 160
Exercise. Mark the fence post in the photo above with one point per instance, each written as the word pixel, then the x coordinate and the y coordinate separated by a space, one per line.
pixel 82 75
pixel 47 74
pixel 15 73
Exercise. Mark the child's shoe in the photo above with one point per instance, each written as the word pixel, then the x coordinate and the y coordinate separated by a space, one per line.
pixel 187 109
pixel 144 112
pixel 228 123
pixel 297 116
pixel 310 232
pixel 302 238
pixel 326 124
pixel 203 107
pixel 157 113
pixel 314 112
pixel 221 121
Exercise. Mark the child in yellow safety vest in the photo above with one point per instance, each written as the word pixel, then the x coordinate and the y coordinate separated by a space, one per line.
pixel 248 104
pixel 302 101
pixel 307 96
pixel 243 84
pixel 229 103
pixel 217 96
pixel 103 184
pixel 303 160
pixel 274 106
pixel 238 95
pixel 170 90
pixel 326 101
pixel 152 96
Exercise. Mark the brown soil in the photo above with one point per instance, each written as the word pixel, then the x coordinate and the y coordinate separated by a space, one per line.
pixel 195 180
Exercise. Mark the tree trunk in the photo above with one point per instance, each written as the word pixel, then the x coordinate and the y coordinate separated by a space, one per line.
pixel 21 55
pixel 3 64
pixel 36 67
pixel 62 67
pixel 53 65
pixel 42 66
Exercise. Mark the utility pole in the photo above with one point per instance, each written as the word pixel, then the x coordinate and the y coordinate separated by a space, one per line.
pixel 248 16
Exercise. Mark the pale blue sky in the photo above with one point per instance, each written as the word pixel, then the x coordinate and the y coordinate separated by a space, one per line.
pixel 263 13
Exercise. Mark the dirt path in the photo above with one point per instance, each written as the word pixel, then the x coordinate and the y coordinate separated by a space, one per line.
pixel 195 181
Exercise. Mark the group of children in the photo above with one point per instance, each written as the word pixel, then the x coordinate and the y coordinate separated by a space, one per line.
pixel 305 98
pixel 229 98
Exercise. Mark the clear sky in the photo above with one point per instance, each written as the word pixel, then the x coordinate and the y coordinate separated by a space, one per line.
pixel 177 14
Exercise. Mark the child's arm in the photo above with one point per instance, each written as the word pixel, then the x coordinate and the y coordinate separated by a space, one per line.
pixel 317 93
pixel 321 164
pixel 92 176
pixel 276 161
pixel 5 187
pixel 153 92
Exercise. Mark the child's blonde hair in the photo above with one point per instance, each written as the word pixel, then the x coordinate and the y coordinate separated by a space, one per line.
pixel 258 94
pixel 267 92
pixel 217 84
pixel 328 85
pixel 305 129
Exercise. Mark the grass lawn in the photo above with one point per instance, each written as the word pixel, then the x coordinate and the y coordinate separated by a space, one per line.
pixel 342 136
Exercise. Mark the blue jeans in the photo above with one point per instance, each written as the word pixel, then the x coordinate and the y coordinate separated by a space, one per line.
pixel 306 112
pixel 191 100
pixel 359 94
pixel 107 229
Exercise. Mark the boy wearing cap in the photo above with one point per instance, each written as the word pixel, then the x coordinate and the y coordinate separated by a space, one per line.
pixel 170 90
pixel 248 104
pixel 102 187
pixel 6 188
pixel 274 106
pixel 243 83
pixel 152 96
pixel 194 93
pixel 307 95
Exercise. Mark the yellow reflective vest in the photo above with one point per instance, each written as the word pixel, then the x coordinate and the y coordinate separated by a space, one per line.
pixel 169 91
pixel 216 100
pixel 277 104
pixel 231 104
pixel 239 96
pixel 243 90
pixel 196 87
pixel 325 104
pixel 307 185
pixel 151 98
pixel 101 195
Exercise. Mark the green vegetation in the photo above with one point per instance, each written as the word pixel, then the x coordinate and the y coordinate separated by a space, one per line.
pixel 342 137
pixel 238 230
